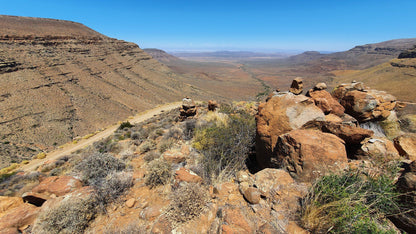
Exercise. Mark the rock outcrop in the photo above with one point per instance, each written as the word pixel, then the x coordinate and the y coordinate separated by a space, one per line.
pixel 363 103
pixel 282 113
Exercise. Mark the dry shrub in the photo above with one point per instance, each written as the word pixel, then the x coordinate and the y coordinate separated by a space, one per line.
pixel 71 216
pixel 97 166
pixel 174 133
pixel 188 202
pixel 165 144
pixel 147 146
pixel 159 173
pixel 150 156
pixel 110 188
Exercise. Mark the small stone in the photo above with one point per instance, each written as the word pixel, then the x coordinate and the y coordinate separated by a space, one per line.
pixel 297 86
pixel 130 203
pixel 320 86
pixel 252 195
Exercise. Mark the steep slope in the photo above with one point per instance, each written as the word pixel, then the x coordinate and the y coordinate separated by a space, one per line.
pixel 60 80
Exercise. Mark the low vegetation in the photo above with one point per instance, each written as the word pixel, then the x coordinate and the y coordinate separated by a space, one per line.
pixel 225 142
pixel 71 216
pixel 188 202
pixel 355 201
pixel 159 173
pixel 97 166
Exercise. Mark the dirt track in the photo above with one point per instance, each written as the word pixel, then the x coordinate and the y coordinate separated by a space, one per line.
pixel 70 148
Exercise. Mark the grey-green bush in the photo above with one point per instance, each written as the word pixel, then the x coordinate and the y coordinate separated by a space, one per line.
pixel 97 166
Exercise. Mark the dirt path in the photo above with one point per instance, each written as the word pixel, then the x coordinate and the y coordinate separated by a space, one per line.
pixel 70 148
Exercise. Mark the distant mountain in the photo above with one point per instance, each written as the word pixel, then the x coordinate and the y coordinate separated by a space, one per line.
pixel 359 57
pixel 229 55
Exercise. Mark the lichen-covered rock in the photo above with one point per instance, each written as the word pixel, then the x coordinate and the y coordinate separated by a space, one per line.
pixel 363 103
pixel 279 115
pixel 378 148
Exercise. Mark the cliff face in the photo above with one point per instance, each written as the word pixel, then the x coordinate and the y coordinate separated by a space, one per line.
pixel 60 79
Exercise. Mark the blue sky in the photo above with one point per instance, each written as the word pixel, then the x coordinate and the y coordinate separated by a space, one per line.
pixel 258 25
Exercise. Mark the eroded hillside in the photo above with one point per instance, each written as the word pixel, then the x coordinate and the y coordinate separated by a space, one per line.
pixel 60 80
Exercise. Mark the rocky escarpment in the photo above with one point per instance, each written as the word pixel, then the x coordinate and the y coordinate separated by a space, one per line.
pixel 408 54
pixel 60 80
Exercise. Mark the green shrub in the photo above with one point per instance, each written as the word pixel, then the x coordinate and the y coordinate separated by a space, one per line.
pixel 159 173
pixel 351 202
pixel 71 216
pixel 97 166
pixel 124 125
pixel 225 147
pixel 188 202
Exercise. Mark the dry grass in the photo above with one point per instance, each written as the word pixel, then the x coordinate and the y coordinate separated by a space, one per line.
pixel 188 202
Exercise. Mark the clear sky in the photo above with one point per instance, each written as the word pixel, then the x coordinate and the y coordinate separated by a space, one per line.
pixel 260 25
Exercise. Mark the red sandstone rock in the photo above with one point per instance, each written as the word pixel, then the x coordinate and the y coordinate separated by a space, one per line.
pixel 308 154
pixel 252 195
pixel 186 175
pixel 281 114
pixel 327 103
pixel 172 156
pixel 350 134
pixel 21 216
pixel 58 185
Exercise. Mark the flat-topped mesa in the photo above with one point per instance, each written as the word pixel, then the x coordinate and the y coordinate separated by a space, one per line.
pixel 31 28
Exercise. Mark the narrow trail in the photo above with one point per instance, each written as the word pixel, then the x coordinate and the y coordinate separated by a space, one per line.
pixel 70 148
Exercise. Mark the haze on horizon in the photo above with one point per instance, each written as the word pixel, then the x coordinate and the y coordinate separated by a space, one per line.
pixel 272 26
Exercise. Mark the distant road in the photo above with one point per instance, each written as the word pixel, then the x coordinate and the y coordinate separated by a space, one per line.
pixel 82 143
